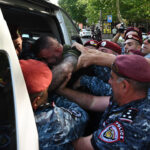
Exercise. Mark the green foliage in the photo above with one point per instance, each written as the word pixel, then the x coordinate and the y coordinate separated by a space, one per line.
pixel 135 10
pixel 95 6
pixel 74 9
pixel 130 10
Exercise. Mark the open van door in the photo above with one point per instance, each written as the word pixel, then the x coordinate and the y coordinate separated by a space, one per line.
pixel 17 125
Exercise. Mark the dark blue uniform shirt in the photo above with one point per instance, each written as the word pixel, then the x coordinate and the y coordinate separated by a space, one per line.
pixel 59 126
pixel 98 84
pixel 124 128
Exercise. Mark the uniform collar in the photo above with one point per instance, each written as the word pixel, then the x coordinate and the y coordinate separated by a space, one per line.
pixel 44 106
pixel 133 104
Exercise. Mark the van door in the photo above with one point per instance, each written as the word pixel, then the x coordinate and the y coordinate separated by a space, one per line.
pixel 17 125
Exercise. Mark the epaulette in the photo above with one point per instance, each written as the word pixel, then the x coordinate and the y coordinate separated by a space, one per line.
pixel 129 115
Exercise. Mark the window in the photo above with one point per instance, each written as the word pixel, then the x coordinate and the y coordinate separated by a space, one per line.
pixel 72 30
pixel 7 115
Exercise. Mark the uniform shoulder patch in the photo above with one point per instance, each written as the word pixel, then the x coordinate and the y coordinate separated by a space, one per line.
pixel 112 133
pixel 129 115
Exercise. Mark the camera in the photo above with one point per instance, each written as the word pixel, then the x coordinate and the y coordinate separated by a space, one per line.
pixel 121 28
pixel 70 51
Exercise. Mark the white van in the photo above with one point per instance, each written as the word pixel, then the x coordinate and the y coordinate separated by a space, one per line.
pixel 34 17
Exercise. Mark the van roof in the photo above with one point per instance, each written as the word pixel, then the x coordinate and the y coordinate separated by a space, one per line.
pixel 24 3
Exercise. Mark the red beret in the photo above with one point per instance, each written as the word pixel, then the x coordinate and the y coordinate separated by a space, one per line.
pixel 134 29
pixel 91 43
pixel 134 37
pixel 137 52
pixel 110 45
pixel 37 75
pixel 134 67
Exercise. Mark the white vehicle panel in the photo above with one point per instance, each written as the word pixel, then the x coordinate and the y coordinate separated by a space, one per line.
pixel 27 137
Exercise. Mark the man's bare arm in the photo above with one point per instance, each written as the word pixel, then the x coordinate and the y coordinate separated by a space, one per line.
pixel 91 56
pixel 116 37
pixel 83 143
pixel 61 71
pixel 86 101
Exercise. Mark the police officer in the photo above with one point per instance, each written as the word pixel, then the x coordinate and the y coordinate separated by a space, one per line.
pixel 124 33
pixel 132 42
pixel 125 123
pixel 146 47
pixel 57 126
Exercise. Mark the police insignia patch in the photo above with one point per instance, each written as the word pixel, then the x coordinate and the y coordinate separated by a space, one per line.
pixel 103 43
pixel 91 42
pixel 112 133
pixel 130 36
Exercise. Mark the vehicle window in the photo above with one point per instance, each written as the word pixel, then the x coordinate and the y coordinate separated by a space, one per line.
pixel 25 35
pixel 72 30
pixel 33 24
pixel 7 115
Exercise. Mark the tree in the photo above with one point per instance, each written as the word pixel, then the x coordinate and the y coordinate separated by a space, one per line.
pixel 128 11
pixel 95 6
pixel 74 9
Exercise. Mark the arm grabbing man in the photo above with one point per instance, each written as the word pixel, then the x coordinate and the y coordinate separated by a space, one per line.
pixel 86 101
pixel 91 56
pixel 66 67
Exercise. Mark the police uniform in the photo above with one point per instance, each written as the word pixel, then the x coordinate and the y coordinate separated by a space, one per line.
pixel 98 84
pixel 59 126
pixel 102 72
pixel 124 127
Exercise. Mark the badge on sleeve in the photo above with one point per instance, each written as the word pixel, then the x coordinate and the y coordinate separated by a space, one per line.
pixel 112 133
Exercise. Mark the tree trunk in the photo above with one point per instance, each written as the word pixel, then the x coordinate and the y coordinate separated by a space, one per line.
pixel 118 13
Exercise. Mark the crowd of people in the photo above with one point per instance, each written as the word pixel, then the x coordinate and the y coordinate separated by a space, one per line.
pixel 92 96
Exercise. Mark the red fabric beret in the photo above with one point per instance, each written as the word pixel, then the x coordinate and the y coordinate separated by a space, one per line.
pixel 110 45
pixel 91 43
pixel 37 75
pixel 134 37
pixel 134 67
pixel 134 29
pixel 137 52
